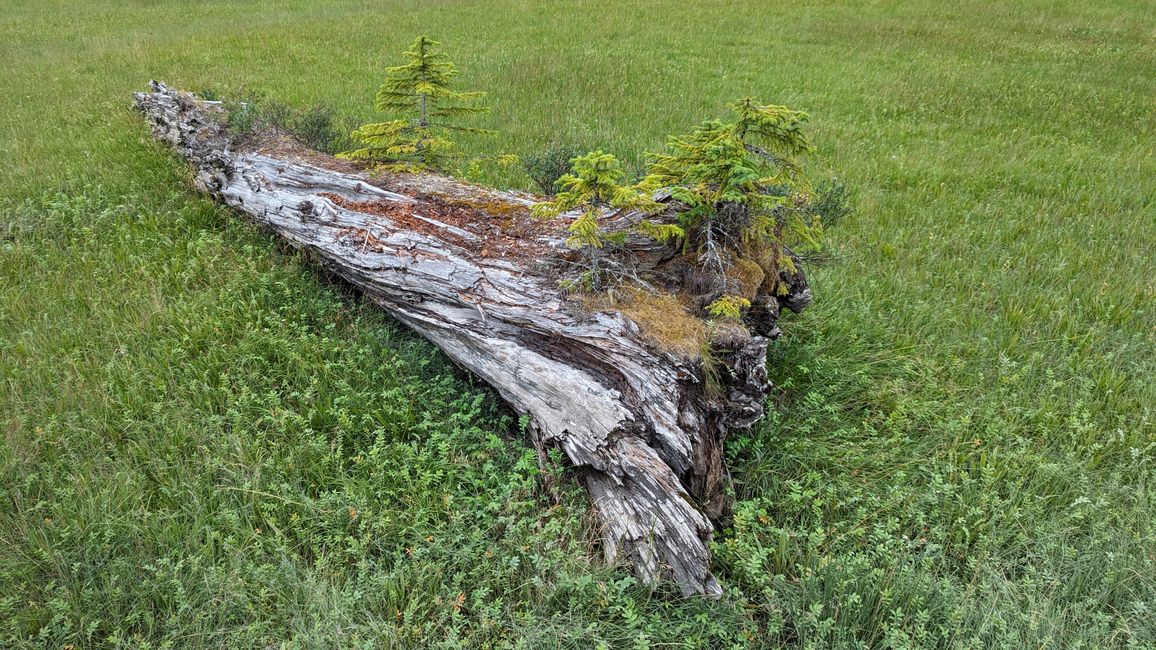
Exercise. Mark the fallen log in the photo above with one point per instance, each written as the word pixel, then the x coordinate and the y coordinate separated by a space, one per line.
pixel 641 414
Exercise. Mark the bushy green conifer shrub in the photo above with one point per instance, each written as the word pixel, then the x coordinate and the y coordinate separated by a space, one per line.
pixel 737 192
pixel 597 182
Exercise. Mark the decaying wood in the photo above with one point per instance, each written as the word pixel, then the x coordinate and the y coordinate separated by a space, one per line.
pixel 471 271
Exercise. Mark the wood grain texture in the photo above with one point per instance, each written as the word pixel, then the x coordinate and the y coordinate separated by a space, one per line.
pixel 637 422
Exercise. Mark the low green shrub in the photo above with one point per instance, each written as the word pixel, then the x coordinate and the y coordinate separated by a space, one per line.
pixel 319 127
pixel 832 202
pixel 547 166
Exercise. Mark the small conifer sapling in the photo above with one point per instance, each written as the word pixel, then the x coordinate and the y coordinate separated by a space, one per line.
pixel 420 93
pixel 595 185
pixel 744 193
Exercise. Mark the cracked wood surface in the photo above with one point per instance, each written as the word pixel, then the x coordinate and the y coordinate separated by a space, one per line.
pixel 469 270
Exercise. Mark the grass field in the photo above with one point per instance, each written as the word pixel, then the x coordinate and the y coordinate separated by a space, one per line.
pixel 207 445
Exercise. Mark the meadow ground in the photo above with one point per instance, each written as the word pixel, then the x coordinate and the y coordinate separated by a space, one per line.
pixel 207 445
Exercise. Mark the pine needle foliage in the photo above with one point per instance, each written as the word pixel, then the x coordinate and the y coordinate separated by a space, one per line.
pixel 743 192
pixel 420 93
pixel 596 185
pixel 736 188
pixel 741 180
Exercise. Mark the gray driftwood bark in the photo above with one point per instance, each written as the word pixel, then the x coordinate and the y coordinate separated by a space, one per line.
pixel 638 423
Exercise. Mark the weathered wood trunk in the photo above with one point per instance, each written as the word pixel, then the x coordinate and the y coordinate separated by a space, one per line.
pixel 470 270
